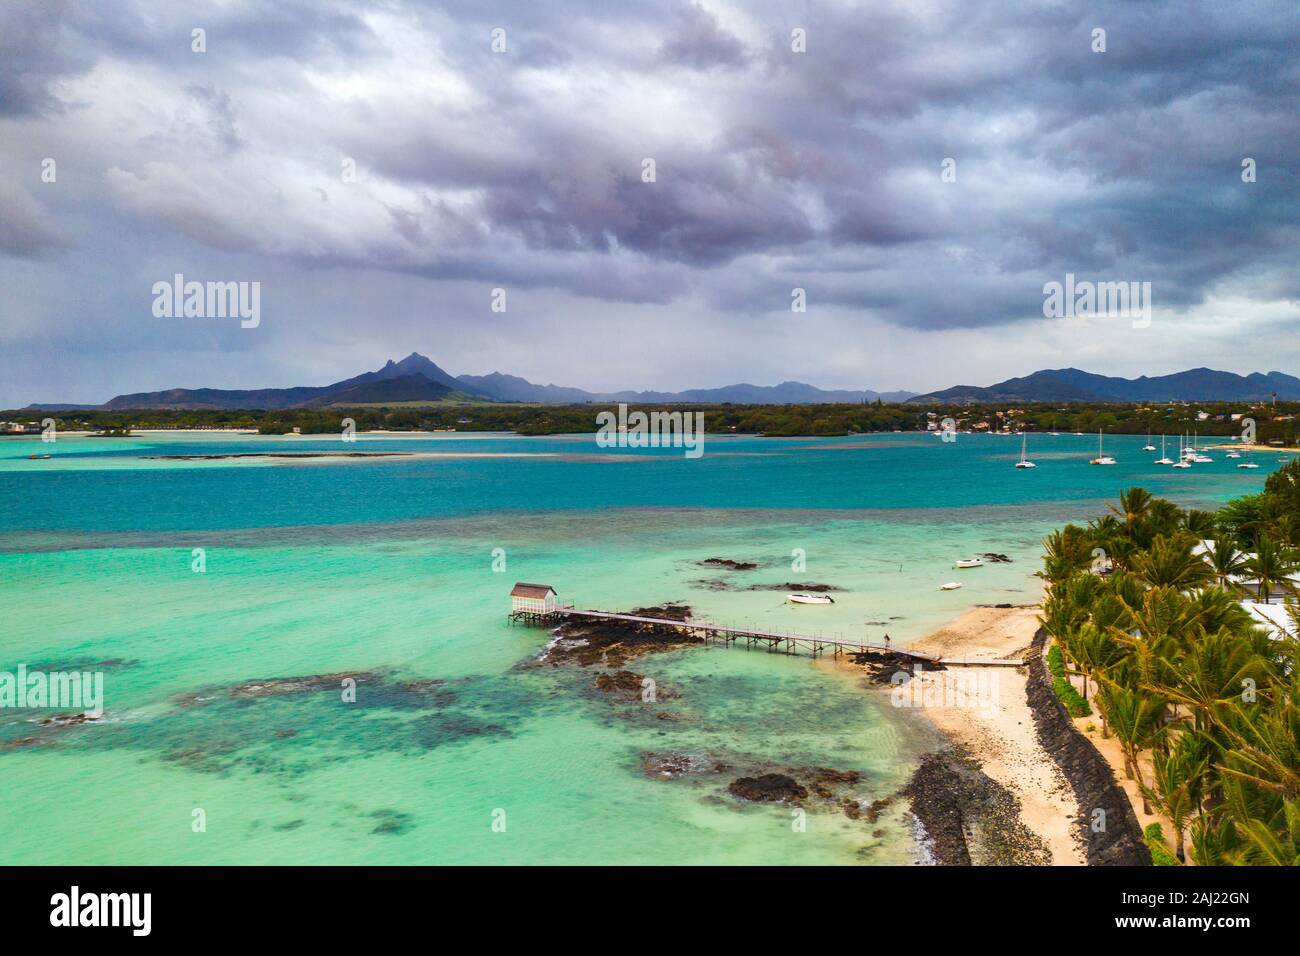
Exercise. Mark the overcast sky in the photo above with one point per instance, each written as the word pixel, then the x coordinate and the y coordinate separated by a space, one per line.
pixel 522 170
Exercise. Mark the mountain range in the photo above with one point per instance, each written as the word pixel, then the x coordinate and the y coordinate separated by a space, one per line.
pixel 1074 385
pixel 417 378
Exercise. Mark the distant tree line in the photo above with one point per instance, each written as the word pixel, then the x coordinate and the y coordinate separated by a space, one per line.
pixel 775 420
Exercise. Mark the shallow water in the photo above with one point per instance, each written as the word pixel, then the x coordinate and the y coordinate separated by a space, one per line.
pixel 384 569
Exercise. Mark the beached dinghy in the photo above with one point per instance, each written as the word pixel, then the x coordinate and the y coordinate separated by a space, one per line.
pixel 950 586
pixel 969 563
pixel 810 599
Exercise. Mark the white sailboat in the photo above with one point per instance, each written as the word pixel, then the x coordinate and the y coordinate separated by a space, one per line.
pixel 1148 446
pixel 1102 458
pixel 1198 455
pixel 1183 461
pixel 1024 462
pixel 1163 459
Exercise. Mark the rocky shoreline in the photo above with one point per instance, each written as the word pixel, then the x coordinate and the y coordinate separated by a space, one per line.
pixel 613 643
pixel 970 819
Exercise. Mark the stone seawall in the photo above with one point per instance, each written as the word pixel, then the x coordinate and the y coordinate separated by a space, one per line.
pixel 1120 843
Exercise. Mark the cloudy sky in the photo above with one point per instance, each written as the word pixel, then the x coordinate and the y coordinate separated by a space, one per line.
pixel 522 169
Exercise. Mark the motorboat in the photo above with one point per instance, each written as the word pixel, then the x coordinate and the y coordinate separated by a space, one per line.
pixel 969 563
pixel 802 598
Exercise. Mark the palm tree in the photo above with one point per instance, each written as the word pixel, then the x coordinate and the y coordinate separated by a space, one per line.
pixel 1135 718
pixel 1201 524
pixel 1163 517
pixel 1134 505
pixel 1263 740
pixel 1244 519
pixel 1178 772
pixel 1272 565
pixel 1112 537
pixel 1226 562
pixel 1065 554
pixel 1213 608
pixel 1213 671
pixel 1273 845
pixel 1169 562
pixel 1293 615
pixel 1214 840
pixel 1093 652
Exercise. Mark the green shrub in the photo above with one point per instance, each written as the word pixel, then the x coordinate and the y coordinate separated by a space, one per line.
pixel 1074 701
pixel 1161 855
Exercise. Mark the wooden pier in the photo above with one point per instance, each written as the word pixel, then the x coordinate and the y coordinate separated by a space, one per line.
pixel 537 604
pixel 710 632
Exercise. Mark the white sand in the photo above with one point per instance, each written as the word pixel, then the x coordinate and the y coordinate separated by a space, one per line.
pixel 1000 733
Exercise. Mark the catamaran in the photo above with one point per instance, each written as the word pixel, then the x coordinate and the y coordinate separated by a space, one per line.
pixel 1024 462
pixel 1148 446
pixel 1163 459
pixel 1102 458
pixel 1183 460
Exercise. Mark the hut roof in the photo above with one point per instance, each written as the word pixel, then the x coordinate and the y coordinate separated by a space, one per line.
pixel 532 590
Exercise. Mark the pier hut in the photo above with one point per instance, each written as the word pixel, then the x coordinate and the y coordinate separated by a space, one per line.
pixel 532 601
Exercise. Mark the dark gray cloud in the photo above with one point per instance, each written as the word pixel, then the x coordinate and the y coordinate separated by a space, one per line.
pixel 35 49
pixel 27 230
pixel 774 169
pixel 698 41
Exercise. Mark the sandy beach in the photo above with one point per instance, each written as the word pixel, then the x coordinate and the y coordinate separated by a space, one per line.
pixel 1000 732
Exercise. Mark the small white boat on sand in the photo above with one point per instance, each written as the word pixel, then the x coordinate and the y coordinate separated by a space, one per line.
pixel 968 563
pixel 950 586
pixel 801 598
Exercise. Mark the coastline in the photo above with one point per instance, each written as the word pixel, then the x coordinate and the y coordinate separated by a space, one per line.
pixel 995 726
pixel 1018 764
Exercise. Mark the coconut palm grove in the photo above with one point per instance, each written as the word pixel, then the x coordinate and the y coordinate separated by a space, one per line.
pixel 1149 608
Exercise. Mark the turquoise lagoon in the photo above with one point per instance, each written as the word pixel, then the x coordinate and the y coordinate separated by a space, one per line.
pixel 384 568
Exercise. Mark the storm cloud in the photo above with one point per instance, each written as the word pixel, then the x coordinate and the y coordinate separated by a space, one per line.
pixel 381 168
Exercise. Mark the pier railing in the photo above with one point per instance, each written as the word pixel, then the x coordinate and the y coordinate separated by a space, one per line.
pixel 711 632
pixel 774 641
